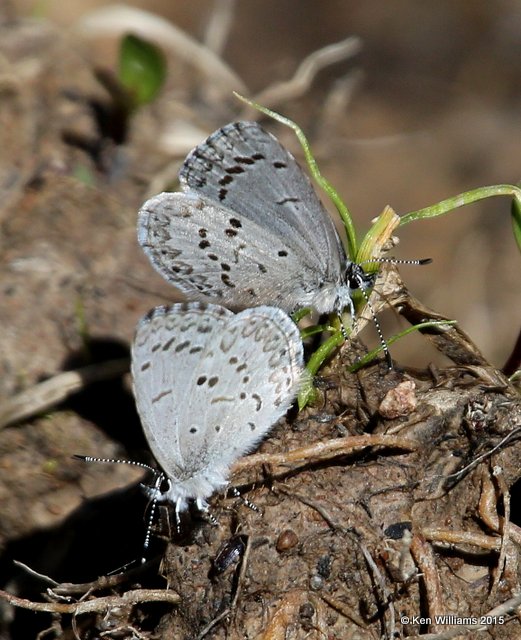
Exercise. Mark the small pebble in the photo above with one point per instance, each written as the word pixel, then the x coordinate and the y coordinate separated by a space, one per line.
pixel 316 583
pixel 287 540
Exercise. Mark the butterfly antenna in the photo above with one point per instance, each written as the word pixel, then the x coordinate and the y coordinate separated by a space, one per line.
pixel 148 534
pixel 363 289
pixel 155 490
pixel 363 285
pixel 421 261
pixel 142 465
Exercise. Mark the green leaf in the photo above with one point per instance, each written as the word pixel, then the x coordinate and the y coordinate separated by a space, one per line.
pixel 142 69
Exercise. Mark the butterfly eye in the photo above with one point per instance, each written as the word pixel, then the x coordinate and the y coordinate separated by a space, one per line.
pixel 357 278
pixel 165 485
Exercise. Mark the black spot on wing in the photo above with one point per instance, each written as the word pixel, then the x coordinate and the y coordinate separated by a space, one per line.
pixel 226 280
pixel 169 343
pixel 236 169
pixel 258 401
pixel 161 395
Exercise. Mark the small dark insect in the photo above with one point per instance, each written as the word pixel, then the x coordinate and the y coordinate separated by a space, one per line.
pixel 229 553
pixel 395 531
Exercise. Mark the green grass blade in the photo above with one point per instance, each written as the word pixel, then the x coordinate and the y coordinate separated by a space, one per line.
pixel 297 316
pixel 516 219
pixel 316 329
pixel 461 200
pixel 318 358
pixel 372 354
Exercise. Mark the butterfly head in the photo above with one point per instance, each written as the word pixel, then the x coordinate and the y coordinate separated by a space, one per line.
pixel 341 295
pixel 357 278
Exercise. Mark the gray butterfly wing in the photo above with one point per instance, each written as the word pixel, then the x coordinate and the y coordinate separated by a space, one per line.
pixel 166 349
pixel 249 229
pixel 209 385
pixel 246 169
pixel 210 253
pixel 246 379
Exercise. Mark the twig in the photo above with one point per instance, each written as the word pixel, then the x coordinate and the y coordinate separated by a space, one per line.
pixel 385 594
pixel 505 532
pixel 242 572
pixel 103 582
pixel 213 622
pixel 343 609
pixel 462 537
pixel 318 452
pixel 334 526
pixel 307 70
pixel 34 573
pixel 424 557
pixel 97 605
pixel 336 105
pixel 218 27
pixel 49 393
pixel 458 474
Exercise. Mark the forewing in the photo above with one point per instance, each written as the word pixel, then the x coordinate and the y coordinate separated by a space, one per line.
pixel 247 170
pixel 167 347
pixel 213 253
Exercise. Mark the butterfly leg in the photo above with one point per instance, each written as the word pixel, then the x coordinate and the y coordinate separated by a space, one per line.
pixel 204 507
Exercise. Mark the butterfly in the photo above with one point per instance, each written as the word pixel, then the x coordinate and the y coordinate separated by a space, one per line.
pixel 209 385
pixel 248 229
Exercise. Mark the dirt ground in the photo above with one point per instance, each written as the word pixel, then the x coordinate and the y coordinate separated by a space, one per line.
pixel 397 493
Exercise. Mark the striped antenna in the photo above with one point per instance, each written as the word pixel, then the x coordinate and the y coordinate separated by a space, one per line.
pixel 359 279
pixel 153 492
